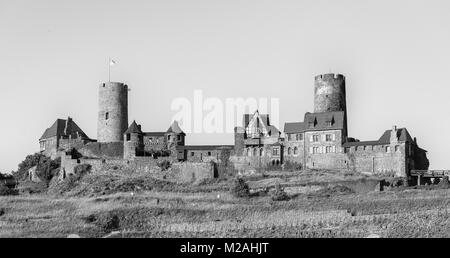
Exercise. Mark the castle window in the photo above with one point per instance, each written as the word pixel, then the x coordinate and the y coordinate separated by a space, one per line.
pixel 299 137
pixel 315 138
pixel 315 150
pixel 388 149
pixel 289 151
pixel 209 153
pixel 261 152
pixel 192 154
pixel 255 152
pixel 295 151
pixel 168 137
pixel 106 115
pixel 179 137
pixel 329 123
pixel 275 151
pixel 328 149
pixel 328 137
pixel 249 152
pixel 397 148
pixel 128 137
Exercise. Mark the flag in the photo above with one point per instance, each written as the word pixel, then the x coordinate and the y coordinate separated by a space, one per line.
pixel 112 62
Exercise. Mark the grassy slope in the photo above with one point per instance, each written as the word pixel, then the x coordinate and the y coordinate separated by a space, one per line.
pixel 210 211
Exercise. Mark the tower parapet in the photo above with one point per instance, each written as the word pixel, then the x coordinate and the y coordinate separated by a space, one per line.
pixel 112 111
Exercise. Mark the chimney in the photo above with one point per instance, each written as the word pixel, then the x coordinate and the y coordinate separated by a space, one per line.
pixel 394 138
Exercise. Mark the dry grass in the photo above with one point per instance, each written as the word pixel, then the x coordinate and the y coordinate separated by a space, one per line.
pixel 214 212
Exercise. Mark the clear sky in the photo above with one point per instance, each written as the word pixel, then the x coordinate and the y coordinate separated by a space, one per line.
pixel 394 54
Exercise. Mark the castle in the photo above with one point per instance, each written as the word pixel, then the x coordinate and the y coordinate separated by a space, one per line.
pixel 319 141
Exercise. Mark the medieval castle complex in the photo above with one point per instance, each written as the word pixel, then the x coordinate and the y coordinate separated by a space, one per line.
pixel 320 141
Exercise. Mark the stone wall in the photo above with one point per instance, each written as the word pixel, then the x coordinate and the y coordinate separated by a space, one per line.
pixel 102 150
pixel 179 171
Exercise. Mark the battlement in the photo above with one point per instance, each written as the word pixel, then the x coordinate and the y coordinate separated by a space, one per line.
pixel 329 76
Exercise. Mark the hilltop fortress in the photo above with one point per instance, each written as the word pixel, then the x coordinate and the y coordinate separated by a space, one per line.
pixel 320 141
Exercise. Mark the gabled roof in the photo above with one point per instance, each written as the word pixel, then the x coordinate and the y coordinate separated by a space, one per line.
pixel 134 128
pixel 273 131
pixel 264 119
pixel 204 147
pixel 63 127
pixel 175 128
pixel 317 122
pixel 402 136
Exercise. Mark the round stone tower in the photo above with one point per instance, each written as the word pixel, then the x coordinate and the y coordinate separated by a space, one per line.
pixel 112 111
pixel 329 93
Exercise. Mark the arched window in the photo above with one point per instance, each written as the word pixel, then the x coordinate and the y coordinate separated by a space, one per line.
pixel 278 162
pixel 255 152
pixel 295 150
pixel 249 152
pixel 261 152
pixel 289 151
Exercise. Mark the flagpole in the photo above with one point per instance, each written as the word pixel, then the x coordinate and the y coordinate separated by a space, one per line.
pixel 109 70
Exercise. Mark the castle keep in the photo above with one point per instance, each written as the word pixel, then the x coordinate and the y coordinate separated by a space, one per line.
pixel 320 141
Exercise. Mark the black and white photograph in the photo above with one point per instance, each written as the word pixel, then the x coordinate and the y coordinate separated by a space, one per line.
pixel 249 120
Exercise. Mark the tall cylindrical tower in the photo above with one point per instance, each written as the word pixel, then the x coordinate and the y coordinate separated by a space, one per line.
pixel 329 93
pixel 112 111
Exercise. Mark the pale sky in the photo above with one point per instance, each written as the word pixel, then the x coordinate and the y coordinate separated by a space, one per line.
pixel 394 54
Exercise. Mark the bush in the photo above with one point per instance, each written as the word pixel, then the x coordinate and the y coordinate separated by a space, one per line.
pixel 292 166
pixel 4 190
pixel 164 165
pixel 46 168
pixel 279 194
pixel 240 188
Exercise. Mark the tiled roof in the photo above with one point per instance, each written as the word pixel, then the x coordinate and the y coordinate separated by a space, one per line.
pixel 294 127
pixel 134 128
pixel 402 135
pixel 204 147
pixel 63 127
pixel 317 122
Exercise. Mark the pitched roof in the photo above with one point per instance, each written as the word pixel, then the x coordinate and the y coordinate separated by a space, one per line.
pixel 317 122
pixel 63 127
pixel 402 135
pixel 134 128
pixel 273 130
pixel 175 128
pixel 295 127
pixel 204 147
pixel 247 117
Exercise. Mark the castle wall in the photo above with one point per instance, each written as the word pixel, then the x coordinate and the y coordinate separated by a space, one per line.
pixel 102 150
pixel 179 171
pixel 49 147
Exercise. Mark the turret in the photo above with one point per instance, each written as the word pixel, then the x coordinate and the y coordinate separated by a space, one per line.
pixel 133 142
